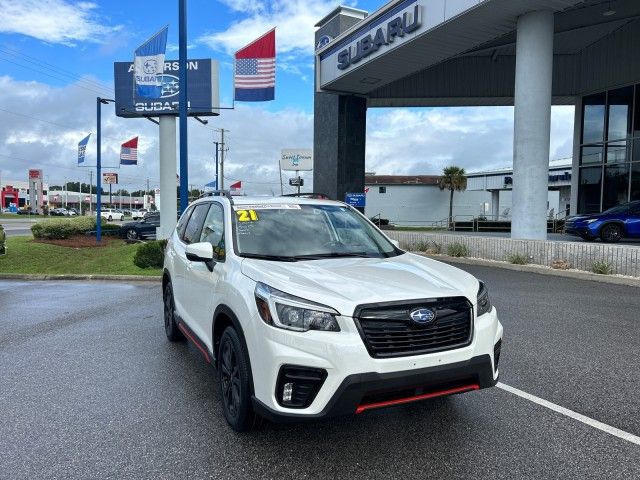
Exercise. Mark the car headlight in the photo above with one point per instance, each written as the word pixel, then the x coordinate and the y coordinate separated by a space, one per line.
pixel 484 304
pixel 282 310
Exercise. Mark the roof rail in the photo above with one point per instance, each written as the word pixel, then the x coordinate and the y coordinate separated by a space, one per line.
pixel 218 193
pixel 316 195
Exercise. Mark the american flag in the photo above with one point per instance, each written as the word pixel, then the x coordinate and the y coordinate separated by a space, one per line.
pixel 255 70
pixel 129 152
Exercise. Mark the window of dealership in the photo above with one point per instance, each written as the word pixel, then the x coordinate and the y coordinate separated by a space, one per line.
pixel 609 149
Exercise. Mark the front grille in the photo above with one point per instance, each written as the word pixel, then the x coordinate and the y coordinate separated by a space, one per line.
pixel 388 331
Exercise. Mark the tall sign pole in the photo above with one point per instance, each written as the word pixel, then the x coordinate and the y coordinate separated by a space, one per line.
pixel 98 171
pixel 182 65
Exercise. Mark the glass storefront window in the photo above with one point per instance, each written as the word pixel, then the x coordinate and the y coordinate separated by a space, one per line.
pixel 620 102
pixel 616 185
pixel 589 189
pixel 635 182
pixel 636 121
pixel 636 150
pixel 591 155
pixel 617 152
pixel 593 118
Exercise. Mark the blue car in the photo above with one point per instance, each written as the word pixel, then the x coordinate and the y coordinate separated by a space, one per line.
pixel 621 221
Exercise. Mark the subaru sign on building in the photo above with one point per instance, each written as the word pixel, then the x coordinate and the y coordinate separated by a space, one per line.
pixel 202 77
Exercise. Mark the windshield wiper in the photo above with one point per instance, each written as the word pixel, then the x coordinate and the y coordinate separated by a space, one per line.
pixel 316 256
pixel 279 258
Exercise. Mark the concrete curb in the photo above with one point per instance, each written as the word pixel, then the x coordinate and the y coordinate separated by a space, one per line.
pixel 576 274
pixel 37 276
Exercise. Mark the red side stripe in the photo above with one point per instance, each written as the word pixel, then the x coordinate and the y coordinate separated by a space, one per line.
pixel 399 401
pixel 188 334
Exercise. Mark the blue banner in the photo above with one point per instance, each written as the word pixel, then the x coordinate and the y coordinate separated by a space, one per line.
pixel 149 65
pixel 82 148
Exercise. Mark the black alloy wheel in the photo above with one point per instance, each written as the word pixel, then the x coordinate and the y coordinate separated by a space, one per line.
pixel 235 381
pixel 132 234
pixel 611 233
pixel 170 326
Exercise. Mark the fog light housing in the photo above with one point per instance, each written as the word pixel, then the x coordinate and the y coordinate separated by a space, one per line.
pixel 496 354
pixel 298 386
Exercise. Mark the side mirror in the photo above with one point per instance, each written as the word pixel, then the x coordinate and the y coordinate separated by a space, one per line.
pixel 200 252
pixel 395 243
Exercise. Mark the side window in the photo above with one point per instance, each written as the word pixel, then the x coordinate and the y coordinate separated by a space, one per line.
pixel 182 223
pixel 213 230
pixel 194 225
pixel 635 209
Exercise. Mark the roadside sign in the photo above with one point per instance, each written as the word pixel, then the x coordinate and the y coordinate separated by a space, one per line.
pixel 35 174
pixel 110 178
pixel 296 182
pixel 355 199
pixel 296 159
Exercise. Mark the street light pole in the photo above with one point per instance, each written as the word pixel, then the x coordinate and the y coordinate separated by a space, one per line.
pixel 99 102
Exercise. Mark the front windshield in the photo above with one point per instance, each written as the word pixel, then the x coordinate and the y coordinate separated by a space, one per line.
pixel 296 232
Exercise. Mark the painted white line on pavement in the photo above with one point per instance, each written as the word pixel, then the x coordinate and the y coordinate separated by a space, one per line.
pixel 616 432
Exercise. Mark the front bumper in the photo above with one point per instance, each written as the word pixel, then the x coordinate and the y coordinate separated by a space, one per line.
pixel 364 391
pixel 354 378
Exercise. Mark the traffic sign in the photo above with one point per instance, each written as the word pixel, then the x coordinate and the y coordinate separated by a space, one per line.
pixel 355 199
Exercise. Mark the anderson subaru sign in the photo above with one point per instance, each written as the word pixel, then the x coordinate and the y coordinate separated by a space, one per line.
pixel 202 78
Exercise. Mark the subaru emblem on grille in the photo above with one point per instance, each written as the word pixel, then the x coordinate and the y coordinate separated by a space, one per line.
pixel 423 316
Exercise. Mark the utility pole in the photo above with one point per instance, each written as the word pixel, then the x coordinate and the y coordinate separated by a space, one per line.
pixel 216 144
pixel 222 159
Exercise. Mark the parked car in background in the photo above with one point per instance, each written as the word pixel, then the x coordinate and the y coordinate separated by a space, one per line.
pixel 141 229
pixel 112 214
pixel 621 221
pixel 73 211
pixel 59 212
pixel 138 214
pixel 26 211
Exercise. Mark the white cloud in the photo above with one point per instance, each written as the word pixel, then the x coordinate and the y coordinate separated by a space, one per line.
pixel 424 141
pixel 54 21
pixel 46 131
pixel 294 21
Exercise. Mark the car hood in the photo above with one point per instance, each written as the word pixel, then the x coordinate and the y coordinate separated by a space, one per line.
pixel 345 283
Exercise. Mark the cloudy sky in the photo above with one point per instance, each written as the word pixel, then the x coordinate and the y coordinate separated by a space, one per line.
pixel 56 56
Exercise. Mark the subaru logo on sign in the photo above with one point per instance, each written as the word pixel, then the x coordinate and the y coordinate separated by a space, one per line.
pixel 324 40
pixel 170 85
pixel 423 316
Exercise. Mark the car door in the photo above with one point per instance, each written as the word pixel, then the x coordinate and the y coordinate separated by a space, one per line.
pixel 200 281
pixel 151 225
pixel 190 234
pixel 633 222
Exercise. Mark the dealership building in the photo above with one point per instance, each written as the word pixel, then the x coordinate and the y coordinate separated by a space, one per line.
pixel 416 200
pixel 526 53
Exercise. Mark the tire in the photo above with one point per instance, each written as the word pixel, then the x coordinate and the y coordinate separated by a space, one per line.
pixel 611 233
pixel 170 327
pixel 110 218
pixel 122 218
pixel 235 382
pixel 132 234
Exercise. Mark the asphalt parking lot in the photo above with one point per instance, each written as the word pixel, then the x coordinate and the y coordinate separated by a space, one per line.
pixel 90 388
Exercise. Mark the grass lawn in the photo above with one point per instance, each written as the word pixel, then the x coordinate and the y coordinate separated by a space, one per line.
pixel 26 256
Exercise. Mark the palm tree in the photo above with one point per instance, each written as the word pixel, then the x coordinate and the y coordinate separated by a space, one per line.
pixel 452 179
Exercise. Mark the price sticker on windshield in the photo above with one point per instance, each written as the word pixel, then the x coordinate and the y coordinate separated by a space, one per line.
pixel 247 215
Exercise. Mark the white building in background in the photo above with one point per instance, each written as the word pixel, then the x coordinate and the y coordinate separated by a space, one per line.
pixel 412 200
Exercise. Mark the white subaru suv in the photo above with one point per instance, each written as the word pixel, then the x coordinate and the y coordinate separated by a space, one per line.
pixel 307 310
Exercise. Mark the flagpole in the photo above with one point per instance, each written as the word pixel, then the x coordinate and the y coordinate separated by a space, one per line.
pixel 182 101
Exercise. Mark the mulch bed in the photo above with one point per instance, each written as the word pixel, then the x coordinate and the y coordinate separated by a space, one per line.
pixel 79 241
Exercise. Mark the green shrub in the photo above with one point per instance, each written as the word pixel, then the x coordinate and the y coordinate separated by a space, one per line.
pixel 150 254
pixel 518 259
pixel 602 267
pixel 421 246
pixel 457 249
pixel 56 229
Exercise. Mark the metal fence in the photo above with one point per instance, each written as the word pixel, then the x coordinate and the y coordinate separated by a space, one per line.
pixel 625 259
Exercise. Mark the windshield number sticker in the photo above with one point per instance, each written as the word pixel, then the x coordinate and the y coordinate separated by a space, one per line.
pixel 247 215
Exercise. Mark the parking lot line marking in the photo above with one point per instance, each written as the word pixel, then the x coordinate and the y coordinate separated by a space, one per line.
pixel 629 437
